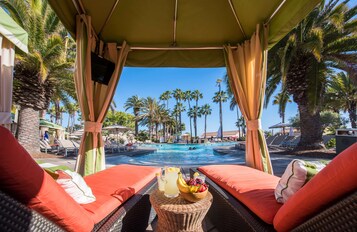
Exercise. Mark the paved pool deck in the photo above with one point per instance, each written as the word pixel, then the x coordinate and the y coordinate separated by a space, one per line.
pixel 280 160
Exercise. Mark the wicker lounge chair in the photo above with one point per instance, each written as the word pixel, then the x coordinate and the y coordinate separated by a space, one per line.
pixel 328 202
pixel 122 196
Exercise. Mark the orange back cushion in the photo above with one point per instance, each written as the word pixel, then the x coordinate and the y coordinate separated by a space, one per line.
pixel 24 180
pixel 337 179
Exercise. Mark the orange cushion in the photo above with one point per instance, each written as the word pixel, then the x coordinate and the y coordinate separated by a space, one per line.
pixel 255 189
pixel 337 179
pixel 23 179
pixel 114 186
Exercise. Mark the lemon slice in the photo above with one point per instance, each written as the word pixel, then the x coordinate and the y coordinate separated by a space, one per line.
pixel 196 174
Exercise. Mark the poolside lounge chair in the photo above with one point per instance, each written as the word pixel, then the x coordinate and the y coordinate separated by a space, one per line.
pixel 30 200
pixel 45 147
pixel 68 147
pixel 277 141
pixel 244 200
pixel 270 139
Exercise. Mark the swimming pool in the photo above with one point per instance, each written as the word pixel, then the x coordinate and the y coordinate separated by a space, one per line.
pixel 179 155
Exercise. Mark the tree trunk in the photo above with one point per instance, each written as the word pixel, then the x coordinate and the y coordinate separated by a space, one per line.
pixel 195 126
pixel 69 122
pixel 220 119
pixel 136 124
pixel 352 115
pixel 311 130
pixel 28 132
pixel 164 131
pixel 205 126
pixel 189 107
pixel 57 109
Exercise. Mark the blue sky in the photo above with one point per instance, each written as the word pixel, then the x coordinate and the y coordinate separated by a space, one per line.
pixel 153 82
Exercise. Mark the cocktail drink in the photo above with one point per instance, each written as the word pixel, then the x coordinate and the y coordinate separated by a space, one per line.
pixel 171 175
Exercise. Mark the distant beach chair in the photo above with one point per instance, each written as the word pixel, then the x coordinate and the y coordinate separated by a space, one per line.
pixel 277 141
pixel 46 147
pixel 270 139
pixel 287 141
pixel 67 146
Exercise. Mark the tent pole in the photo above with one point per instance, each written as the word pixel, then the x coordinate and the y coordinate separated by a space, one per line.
pixel 275 12
pixel 236 17
pixel 109 16
pixel 175 23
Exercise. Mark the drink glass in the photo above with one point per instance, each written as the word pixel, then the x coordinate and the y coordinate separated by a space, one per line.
pixel 171 175
pixel 160 181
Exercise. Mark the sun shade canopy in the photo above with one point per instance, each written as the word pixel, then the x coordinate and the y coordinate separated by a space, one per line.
pixel 183 33
pixel 12 31
pixel 45 123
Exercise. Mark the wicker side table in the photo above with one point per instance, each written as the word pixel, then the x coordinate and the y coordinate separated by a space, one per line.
pixel 176 214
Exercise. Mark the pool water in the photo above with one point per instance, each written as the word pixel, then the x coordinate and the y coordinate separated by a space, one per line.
pixel 179 155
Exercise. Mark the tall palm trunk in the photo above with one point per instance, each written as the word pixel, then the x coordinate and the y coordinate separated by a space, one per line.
pixel 157 130
pixel 189 107
pixel 205 126
pixel 353 115
pixel 310 126
pixel 136 123
pixel 221 119
pixel 195 125
pixel 69 122
pixel 238 120
pixel 297 84
pixel 164 131
pixel 57 110
pixel 28 136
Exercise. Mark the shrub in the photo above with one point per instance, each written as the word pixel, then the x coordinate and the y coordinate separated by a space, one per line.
pixel 331 143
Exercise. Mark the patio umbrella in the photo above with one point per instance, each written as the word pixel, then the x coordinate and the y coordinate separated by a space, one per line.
pixel 117 129
pixel 200 33
pixel 280 125
pixel 11 35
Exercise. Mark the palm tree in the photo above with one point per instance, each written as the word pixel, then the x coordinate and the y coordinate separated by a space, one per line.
pixel 194 112
pixel 196 95
pixel 72 109
pixel 233 105
pixel 36 73
pixel 241 124
pixel 148 113
pixel 205 110
pixel 282 100
pixel 188 97
pixel 178 94
pixel 179 107
pixel 219 97
pixel 166 96
pixel 324 41
pixel 341 94
pixel 135 103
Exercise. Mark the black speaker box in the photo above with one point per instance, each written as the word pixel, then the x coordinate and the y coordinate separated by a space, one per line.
pixel 102 69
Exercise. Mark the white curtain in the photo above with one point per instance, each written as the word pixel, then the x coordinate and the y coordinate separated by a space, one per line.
pixel 7 58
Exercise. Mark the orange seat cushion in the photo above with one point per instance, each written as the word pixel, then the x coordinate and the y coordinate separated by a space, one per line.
pixel 336 180
pixel 114 186
pixel 23 179
pixel 255 189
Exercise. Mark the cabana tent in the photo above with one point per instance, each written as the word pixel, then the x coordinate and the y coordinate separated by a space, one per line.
pixel 177 33
pixel 11 35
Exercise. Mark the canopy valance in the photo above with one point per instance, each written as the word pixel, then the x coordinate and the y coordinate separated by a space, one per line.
pixel 156 28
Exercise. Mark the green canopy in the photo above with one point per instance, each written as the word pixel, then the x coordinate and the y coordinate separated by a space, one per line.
pixel 50 125
pixel 183 33
pixel 12 31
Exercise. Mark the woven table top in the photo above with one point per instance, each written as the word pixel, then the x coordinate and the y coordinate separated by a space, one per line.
pixel 178 204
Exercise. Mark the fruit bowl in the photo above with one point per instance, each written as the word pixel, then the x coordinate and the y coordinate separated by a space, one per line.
pixel 193 189
pixel 194 197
